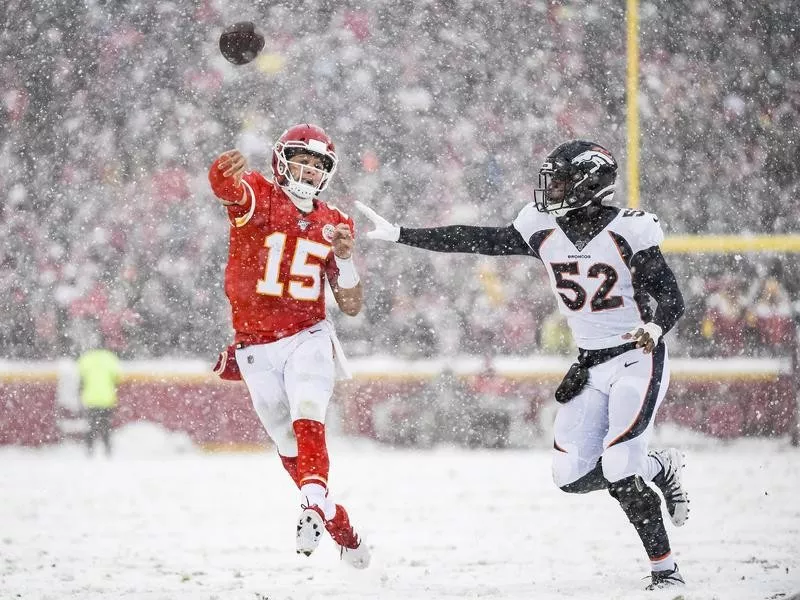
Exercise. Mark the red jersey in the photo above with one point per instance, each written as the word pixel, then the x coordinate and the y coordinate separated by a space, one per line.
pixel 278 258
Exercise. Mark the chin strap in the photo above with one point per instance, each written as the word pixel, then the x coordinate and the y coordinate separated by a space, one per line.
pixel 560 212
pixel 565 210
pixel 304 204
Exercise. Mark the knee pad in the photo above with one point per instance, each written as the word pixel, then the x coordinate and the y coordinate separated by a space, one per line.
pixel 309 396
pixel 637 499
pixel 625 460
pixel 616 463
pixel 313 409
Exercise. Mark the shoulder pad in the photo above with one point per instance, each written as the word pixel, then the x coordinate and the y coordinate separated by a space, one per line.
pixel 640 229
pixel 530 220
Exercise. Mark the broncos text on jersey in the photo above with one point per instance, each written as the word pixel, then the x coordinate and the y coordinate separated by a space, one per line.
pixel 591 275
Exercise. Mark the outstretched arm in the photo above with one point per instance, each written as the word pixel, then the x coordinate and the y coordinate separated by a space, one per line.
pixel 455 238
pixel 494 241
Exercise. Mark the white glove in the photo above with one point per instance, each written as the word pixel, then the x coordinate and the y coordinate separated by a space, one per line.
pixel 646 336
pixel 383 229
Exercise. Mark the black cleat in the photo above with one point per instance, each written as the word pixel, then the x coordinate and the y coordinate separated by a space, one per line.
pixel 664 579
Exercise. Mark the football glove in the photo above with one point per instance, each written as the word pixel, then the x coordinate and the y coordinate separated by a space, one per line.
pixel 646 336
pixel 226 366
pixel 383 229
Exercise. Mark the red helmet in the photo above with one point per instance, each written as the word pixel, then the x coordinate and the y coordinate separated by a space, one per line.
pixel 303 139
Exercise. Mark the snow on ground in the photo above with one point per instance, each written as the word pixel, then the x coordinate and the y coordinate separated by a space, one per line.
pixel 162 520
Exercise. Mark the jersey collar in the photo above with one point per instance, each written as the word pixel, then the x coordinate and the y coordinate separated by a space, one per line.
pixel 582 225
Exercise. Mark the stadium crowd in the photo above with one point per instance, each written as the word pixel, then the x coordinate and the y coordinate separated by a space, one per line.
pixel 442 111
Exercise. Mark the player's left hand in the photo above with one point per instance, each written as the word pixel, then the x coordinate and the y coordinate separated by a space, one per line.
pixel 383 229
pixel 343 241
pixel 646 336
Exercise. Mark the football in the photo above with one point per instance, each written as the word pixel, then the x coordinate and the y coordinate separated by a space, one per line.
pixel 240 43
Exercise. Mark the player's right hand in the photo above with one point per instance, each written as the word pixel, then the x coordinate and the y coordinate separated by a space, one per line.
pixel 383 229
pixel 232 163
pixel 646 336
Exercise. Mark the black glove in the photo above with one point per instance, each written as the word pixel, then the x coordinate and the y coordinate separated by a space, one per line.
pixel 573 383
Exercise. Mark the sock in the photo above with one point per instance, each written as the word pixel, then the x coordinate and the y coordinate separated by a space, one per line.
pixel 329 508
pixel 663 563
pixel 290 464
pixel 312 453
pixel 313 494
pixel 652 468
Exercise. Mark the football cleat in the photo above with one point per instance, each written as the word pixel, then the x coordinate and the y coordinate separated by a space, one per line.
pixel 668 481
pixel 352 548
pixel 310 526
pixel 664 579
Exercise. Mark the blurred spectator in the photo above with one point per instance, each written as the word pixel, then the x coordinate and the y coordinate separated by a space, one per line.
pixel 99 371
pixel 723 324
pixel 428 98
pixel 405 420
pixel 454 406
pixel 495 409
pixel 769 315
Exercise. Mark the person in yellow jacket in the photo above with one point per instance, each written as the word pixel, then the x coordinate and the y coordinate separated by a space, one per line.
pixel 99 373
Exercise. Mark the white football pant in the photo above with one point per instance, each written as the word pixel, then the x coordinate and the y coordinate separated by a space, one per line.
pixel 612 417
pixel 290 379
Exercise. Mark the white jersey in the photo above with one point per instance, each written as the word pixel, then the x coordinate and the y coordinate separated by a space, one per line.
pixel 593 283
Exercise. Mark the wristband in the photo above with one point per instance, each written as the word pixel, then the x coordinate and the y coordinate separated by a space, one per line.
pixel 348 277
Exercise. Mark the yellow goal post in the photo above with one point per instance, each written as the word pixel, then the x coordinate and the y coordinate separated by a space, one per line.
pixel 730 244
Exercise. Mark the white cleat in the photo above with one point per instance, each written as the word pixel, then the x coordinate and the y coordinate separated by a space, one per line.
pixel 352 548
pixel 669 482
pixel 310 526
pixel 357 557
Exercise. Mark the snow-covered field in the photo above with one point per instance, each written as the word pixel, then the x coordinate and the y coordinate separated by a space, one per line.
pixel 161 520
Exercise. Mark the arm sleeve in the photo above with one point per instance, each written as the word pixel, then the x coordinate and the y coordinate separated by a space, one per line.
pixel 223 187
pixel 652 274
pixel 495 241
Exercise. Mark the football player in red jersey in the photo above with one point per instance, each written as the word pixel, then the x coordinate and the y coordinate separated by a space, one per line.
pixel 285 243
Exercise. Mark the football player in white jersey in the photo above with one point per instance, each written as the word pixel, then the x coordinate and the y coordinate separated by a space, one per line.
pixel 603 263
